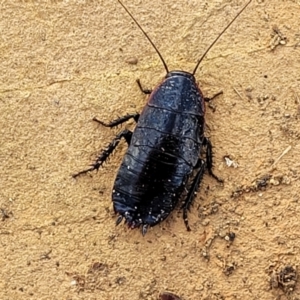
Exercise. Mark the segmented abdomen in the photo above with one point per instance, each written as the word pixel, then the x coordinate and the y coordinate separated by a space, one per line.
pixel 164 149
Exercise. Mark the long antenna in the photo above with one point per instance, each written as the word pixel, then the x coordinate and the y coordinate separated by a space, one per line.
pixel 200 60
pixel 146 35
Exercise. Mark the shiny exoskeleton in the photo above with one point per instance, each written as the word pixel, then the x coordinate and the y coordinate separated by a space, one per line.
pixel 163 159
pixel 167 154
pixel 162 165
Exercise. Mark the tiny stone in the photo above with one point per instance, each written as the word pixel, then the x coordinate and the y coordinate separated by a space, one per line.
pixel 73 282
pixel 205 222
pixel 274 181
pixel 132 60
pixel 163 258
pixel 222 234
pixel 286 180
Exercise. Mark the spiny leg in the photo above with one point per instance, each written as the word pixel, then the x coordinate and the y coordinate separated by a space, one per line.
pixel 119 121
pixel 191 194
pixel 207 143
pixel 209 159
pixel 126 134
pixel 145 91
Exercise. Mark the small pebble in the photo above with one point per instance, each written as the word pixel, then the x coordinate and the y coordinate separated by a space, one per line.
pixel 274 181
pixel 286 180
pixel 205 222
pixel 132 60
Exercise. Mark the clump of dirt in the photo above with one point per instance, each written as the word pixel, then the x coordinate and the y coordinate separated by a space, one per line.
pixel 284 278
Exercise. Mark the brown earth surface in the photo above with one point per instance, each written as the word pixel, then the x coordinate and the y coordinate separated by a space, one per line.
pixel 64 62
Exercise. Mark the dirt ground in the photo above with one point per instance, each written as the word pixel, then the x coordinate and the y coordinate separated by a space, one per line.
pixel 64 62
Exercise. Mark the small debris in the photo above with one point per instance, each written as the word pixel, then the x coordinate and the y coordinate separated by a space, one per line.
pixel 261 184
pixel 281 155
pixel 286 180
pixel 46 255
pixel 262 99
pixel 278 38
pixel 230 237
pixel 222 233
pixel 163 258
pixel 93 279
pixel 132 60
pixel 205 211
pixel 229 268
pixel 120 280
pixel 266 180
pixel 249 91
pixel 238 93
pixel 274 181
pixel 230 162
pixel 205 222
pixel 73 282
pixel 4 214
pixel 284 279
pixel 97 267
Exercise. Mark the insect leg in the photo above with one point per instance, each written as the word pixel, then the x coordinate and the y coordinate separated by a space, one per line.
pixel 191 193
pixel 209 159
pixel 119 120
pixel 206 99
pixel 126 134
pixel 145 91
pixel 119 220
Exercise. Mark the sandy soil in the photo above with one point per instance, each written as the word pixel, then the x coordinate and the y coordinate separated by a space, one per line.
pixel 64 62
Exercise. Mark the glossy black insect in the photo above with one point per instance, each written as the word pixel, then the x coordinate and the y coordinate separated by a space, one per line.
pixel 163 164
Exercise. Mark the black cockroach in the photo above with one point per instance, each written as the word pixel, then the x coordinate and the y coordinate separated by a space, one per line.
pixel 163 163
